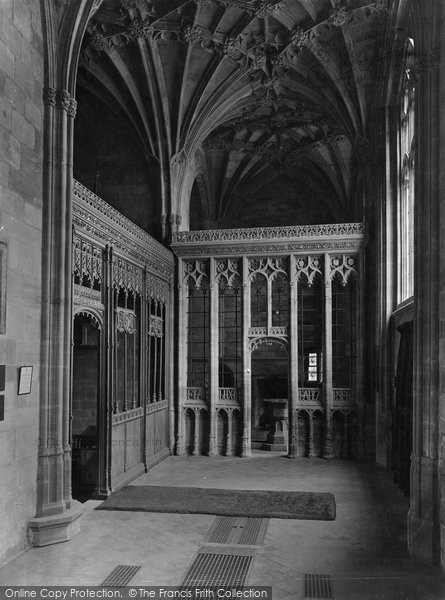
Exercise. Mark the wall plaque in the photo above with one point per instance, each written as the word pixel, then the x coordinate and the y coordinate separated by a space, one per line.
pixel 25 380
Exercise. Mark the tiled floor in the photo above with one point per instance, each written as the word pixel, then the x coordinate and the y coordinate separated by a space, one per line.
pixel 364 549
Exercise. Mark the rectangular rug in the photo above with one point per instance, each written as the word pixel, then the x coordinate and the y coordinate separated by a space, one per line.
pixel 242 503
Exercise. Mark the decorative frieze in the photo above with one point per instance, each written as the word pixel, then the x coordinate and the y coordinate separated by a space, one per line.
pixel 157 289
pixel 83 296
pixel 126 275
pixel 269 233
pixel 95 217
pixel 87 261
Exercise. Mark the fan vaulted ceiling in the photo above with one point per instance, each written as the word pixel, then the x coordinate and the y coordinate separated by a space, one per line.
pixel 250 97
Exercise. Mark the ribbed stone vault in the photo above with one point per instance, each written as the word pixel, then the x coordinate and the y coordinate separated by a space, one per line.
pixel 246 97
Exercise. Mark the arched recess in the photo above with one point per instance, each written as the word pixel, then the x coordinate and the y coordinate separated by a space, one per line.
pixel 57 514
pixel 85 405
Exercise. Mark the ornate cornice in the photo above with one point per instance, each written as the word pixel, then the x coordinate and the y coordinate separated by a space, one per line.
pixel 277 248
pixel 95 217
pixel 270 240
pixel 269 233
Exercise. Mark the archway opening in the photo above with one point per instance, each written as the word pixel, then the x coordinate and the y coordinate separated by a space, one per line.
pixel 85 404
pixel 269 395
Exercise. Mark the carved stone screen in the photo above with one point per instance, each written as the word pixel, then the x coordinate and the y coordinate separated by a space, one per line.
pixel 270 315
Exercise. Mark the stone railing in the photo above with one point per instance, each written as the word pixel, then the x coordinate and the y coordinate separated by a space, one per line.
pixel 228 397
pixel 309 396
pixel 271 331
pixel 343 397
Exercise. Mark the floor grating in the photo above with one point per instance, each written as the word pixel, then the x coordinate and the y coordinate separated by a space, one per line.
pixel 317 586
pixel 121 575
pixel 249 531
pixel 219 566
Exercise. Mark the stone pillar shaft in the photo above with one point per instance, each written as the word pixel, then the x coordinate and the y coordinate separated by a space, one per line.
pixel 247 381
pixel 327 353
pixel 182 357
pixel 293 358
pixel 214 358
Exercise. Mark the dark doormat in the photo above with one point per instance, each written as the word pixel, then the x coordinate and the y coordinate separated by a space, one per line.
pixel 242 503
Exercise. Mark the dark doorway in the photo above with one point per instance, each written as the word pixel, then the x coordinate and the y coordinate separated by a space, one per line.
pixel 402 416
pixel 269 381
pixel 85 402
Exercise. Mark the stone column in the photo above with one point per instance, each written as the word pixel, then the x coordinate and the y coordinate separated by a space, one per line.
pixel 426 517
pixel 229 433
pixel 57 514
pixel 214 358
pixel 357 385
pixel 311 451
pixel 182 357
pixel 105 406
pixel 170 368
pixel 196 440
pixel 247 381
pixel 292 336
pixel 328 451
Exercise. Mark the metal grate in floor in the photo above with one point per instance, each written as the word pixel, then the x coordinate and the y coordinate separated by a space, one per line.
pixel 249 531
pixel 219 566
pixel 120 575
pixel 317 586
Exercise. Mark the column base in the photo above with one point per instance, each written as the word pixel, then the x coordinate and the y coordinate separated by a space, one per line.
pixel 328 450
pixel 56 528
pixel 421 542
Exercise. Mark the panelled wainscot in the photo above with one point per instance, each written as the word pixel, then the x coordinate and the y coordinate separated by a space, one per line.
pixel 122 417
pixel 270 340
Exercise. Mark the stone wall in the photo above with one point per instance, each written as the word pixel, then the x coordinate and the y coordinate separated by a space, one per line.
pixel 21 80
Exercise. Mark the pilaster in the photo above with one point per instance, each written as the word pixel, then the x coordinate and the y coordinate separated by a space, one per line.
pixel 425 505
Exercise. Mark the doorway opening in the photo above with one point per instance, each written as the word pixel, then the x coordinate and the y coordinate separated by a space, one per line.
pixel 85 403
pixel 269 386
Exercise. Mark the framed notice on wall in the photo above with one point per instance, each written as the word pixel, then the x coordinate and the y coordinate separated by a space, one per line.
pixel 25 380
pixel 2 287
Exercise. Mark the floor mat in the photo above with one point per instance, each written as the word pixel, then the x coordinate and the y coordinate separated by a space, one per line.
pixel 242 503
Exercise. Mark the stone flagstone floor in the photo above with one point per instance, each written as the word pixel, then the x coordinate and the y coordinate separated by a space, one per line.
pixel 364 549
